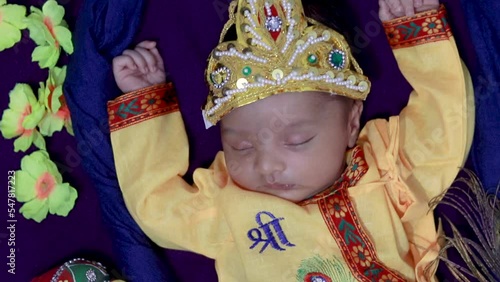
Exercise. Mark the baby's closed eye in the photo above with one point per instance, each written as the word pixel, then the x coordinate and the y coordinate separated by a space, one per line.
pixel 298 140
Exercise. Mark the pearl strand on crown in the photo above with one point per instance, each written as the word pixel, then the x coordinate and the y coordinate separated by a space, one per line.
pixel 301 48
pixel 292 76
pixel 257 38
pixel 233 53
pixel 248 16
pixel 252 6
pixel 253 32
pixel 291 25
pixel 260 43
pixel 261 82
pixel 268 9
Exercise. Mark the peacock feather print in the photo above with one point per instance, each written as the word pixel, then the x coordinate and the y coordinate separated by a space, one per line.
pixel 317 269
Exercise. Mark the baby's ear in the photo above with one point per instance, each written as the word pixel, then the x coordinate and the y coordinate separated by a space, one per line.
pixel 353 122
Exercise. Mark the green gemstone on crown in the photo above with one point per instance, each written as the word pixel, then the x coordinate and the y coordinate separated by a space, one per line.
pixel 336 58
pixel 312 59
pixel 247 71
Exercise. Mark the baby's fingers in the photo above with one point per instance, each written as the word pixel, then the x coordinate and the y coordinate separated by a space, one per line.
pixel 138 59
pixel 148 56
pixel 122 62
pixel 384 11
pixel 147 44
pixel 158 58
pixel 395 7
pixel 408 7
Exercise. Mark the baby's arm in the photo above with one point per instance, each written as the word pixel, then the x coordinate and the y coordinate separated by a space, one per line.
pixel 430 139
pixel 433 132
pixel 150 149
pixel 418 153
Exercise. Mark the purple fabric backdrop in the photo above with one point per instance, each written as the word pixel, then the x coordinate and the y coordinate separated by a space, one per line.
pixel 176 25
pixel 42 246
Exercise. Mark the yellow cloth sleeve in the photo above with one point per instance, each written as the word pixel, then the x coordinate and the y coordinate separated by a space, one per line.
pixel 433 133
pixel 171 212
pixel 419 153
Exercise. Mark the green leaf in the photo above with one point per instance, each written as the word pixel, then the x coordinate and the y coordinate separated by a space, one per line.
pixel 56 95
pixel 69 126
pixel 35 11
pixel 51 167
pixel 3 2
pixel 23 142
pixel 32 120
pixel 46 56
pixel 42 156
pixel 59 75
pixel 50 124
pixel 63 36
pixel 38 31
pixel 10 35
pixel 69 202
pixel 9 124
pixel 34 164
pixel 52 10
pixel 25 186
pixel 57 197
pixel 15 15
pixel 38 140
pixel 42 53
pixel 35 209
pixel 20 97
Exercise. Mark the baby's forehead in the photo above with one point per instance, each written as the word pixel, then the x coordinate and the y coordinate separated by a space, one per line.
pixel 293 109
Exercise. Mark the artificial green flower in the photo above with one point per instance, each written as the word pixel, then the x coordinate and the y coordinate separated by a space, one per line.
pixel 22 117
pixel 12 20
pixel 51 95
pixel 39 185
pixel 50 32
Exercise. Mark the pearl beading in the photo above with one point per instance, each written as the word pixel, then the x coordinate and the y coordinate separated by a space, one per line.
pixel 262 44
pixel 248 16
pixel 253 32
pixel 268 9
pixel 301 48
pixel 291 24
pixel 257 39
pixel 252 6
pixel 261 82
pixel 234 53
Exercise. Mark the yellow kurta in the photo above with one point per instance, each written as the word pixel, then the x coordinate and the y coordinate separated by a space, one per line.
pixel 410 159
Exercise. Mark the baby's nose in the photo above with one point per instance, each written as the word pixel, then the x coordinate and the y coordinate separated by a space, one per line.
pixel 268 164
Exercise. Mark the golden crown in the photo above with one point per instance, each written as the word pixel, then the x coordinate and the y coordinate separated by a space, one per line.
pixel 278 49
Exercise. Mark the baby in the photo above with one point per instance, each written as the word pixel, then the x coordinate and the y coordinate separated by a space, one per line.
pixel 300 191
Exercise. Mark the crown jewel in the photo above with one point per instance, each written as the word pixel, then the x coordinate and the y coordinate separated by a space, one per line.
pixel 278 50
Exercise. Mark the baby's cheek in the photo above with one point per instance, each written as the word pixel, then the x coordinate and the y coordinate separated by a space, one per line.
pixel 235 168
pixel 241 172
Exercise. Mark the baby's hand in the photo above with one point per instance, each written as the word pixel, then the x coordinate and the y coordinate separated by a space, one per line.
pixel 391 9
pixel 139 68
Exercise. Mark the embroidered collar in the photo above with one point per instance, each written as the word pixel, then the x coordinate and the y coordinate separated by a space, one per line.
pixel 356 168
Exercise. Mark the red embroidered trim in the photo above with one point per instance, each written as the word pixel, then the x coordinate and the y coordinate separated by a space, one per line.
pixel 341 219
pixel 422 28
pixel 141 105
pixel 351 175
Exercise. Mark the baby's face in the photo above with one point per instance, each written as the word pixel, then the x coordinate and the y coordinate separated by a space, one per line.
pixel 290 145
